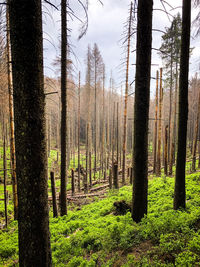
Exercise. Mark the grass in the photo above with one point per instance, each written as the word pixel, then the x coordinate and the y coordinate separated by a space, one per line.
pixel 94 236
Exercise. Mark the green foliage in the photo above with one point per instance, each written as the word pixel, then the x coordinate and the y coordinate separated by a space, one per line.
pixel 93 235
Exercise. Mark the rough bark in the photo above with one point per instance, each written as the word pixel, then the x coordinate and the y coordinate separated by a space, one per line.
pixel 141 115
pixel 63 196
pixel 30 139
pixel 179 193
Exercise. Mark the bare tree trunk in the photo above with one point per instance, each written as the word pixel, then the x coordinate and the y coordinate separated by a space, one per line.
pixel 30 135
pixel 126 97
pixel 63 194
pixel 158 169
pixel 12 133
pixel 141 114
pixel 166 150
pixel 79 104
pixel 53 190
pixel 196 130
pixel 5 174
pixel 179 195
pixel 155 126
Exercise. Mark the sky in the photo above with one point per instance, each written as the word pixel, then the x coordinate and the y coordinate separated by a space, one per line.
pixel 106 26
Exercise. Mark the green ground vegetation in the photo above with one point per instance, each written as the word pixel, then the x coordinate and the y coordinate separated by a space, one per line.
pixel 92 235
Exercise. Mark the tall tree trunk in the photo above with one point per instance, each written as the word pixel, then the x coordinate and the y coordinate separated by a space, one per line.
pixel 79 105
pixel 30 134
pixel 179 195
pixel 63 196
pixel 126 97
pixel 141 115
pixel 11 112
pixel 196 130
pixel 155 126
pixel 158 168
pixel 5 174
pixel 166 150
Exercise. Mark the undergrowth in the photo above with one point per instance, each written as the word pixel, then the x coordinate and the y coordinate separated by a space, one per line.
pixel 93 236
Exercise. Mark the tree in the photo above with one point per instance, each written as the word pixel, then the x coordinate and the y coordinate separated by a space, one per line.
pixel 126 94
pixel 98 69
pixel 179 194
pixel 141 109
pixel 30 140
pixel 63 196
pixel 170 53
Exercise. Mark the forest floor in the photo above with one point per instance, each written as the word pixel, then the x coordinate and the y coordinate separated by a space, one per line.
pixel 96 234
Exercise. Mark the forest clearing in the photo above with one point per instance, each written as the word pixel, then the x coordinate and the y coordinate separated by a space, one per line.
pixel 99 139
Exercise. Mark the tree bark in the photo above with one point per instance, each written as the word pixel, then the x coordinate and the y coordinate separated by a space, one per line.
pixel 158 168
pixel 141 115
pixel 126 98
pixel 11 112
pixel 63 196
pixel 30 134
pixel 155 126
pixel 179 193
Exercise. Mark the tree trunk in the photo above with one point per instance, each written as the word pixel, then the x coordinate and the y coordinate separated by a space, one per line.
pixel 158 168
pixel 179 194
pixel 30 134
pixel 53 190
pixel 126 97
pixel 196 130
pixel 79 104
pixel 155 126
pixel 11 112
pixel 5 174
pixel 166 150
pixel 63 195
pixel 141 115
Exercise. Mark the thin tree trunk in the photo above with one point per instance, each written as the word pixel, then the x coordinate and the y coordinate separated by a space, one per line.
pixel 126 98
pixel 196 130
pixel 166 150
pixel 12 133
pixel 79 105
pixel 53 190
pixel 141 114
pixel 155 126
pixel 179 194
pixel 158 168
pixel 5 175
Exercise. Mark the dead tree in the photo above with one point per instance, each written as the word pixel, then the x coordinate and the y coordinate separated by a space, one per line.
pixel 126 96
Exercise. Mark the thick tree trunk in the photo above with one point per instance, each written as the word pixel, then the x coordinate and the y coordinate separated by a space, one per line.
pixel 179 194
pixel 30 139
pixel 141 116
pixel 63 196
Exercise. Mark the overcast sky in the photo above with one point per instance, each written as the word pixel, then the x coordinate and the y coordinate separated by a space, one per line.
pixel 105 28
